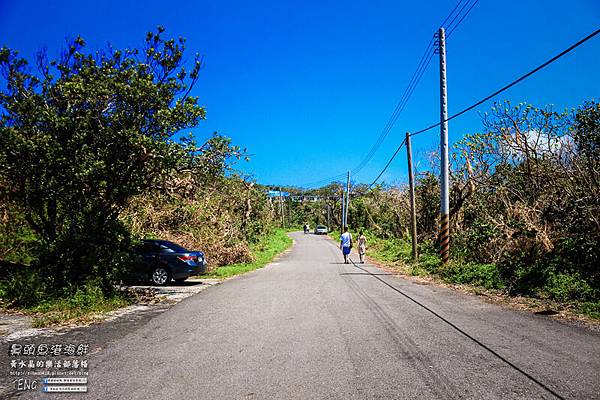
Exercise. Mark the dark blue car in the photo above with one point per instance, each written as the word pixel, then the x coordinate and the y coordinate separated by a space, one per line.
pixel 162 261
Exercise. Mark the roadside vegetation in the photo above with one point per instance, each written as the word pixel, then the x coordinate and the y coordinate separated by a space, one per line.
pixel 263 252
pixel 85 305
pixel 94 155
pixel 525 201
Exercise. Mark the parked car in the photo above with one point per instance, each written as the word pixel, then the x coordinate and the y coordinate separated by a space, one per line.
pixel 161 260
pixel 321 230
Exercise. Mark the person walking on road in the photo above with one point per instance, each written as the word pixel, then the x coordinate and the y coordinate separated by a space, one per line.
pixel 362 247
pixel 346 244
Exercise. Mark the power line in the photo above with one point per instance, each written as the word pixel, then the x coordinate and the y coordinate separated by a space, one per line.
pixel 461 20
pixel 506 87
pixel 387 165
pixel 410 88
pixel 321 181
pixel 457 15
pixel 414 81
pixel 416 77
pixel 513 83
pixel 451 12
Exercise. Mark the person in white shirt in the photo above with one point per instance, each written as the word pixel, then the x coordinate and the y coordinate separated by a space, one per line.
pixel 362 247
pixel 346 244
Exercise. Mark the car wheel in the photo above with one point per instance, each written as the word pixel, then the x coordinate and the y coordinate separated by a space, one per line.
pixel 160 276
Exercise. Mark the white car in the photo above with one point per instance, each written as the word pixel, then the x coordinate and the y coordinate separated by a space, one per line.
pixel 321 230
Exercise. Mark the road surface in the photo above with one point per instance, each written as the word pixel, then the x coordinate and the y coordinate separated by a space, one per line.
pixel 310 327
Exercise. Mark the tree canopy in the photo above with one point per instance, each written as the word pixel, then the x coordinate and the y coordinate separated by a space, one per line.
pixel 84 133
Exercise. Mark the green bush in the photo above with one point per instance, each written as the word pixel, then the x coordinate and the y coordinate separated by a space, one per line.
pixel 429 259
pixel 23 288
pixel 522 274
pixel 484 275
pixel 18 242
pixel 472 244
pixel 568 287
pixel 577 254
pixel 80 306
pixel 102 256
pixel 86 297
pixel 108 132
pixel 589 308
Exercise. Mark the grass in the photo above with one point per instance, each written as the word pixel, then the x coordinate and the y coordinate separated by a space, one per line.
pixel 83 307
pixel 484 278
pixel 589 308
pixel 88 303
pixel 480 275
pixel 264 252
pixel 562 290
pixel 397 253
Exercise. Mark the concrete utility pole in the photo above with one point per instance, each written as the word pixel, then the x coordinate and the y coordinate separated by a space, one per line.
pixel 281 208
pixel 411 185
pixel 290 211
pixel 444 234
pixel 347 200
pixel 342 210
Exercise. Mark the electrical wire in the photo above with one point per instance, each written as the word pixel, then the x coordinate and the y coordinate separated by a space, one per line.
pixel 504 88
pixel 451 13
pixel 461 20
pixel 513 83
pixel 421 68
pixel 322 181
pixel 457 15
pixel 387 165
pixel 416 77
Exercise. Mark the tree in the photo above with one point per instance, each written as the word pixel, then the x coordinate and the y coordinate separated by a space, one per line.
pixel 81 137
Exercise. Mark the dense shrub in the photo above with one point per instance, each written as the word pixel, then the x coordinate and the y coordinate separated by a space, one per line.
pixel 568 287
pixel 91 152
pixel 484 275
pixel 524 200
pixel 23 287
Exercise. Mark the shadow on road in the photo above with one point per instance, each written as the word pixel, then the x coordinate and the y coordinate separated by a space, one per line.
pixel 364 273
pixel 187 283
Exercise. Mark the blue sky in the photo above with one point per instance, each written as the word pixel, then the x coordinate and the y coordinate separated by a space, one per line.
pixel 308 86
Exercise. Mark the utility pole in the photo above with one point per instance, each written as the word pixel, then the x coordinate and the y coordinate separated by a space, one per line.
pixel 281 208
pixel 411 185
pixel 290 211
pixel 444 234
pixel 347 200
pixel 328 216
pixel 343 212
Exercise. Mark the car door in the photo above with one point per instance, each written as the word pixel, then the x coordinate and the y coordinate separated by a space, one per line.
pixel 150 252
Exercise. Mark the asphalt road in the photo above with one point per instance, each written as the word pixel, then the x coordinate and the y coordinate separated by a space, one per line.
pixel 310 327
